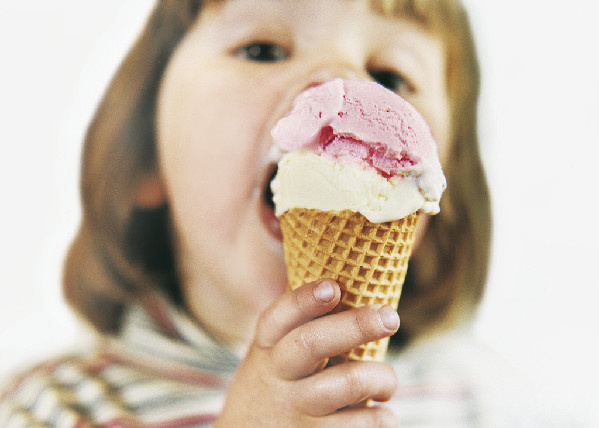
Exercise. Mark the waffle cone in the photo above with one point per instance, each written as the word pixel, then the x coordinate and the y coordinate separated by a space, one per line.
pixel 368 260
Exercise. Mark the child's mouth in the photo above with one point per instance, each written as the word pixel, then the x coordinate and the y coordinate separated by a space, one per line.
pixel 267 193
pixel 270 220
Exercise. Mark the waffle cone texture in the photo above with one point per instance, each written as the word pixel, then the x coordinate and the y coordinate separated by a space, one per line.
pixel 368 260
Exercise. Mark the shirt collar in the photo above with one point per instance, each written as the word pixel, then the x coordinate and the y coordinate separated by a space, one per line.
pixel 164 331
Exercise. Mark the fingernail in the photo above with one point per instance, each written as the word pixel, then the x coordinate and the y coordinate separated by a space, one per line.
pixel 324 292
pixel 389 317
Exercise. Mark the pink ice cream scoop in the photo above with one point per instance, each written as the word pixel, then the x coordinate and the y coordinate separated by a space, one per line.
pixel 359 123
pixel 364 126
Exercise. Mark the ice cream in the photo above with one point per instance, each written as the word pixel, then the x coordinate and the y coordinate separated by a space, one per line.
pixel 358 146
pixel 360 166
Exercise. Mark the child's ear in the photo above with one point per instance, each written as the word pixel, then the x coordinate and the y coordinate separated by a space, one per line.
pixel 149 192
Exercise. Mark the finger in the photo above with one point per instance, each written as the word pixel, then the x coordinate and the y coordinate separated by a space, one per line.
pixel 360 417
pixel 303 349
pixel 345 385
pixel 295 308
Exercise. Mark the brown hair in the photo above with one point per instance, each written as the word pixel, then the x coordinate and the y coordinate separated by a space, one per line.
pixel 122 251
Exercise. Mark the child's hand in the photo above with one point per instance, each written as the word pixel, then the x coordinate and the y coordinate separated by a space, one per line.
pixel 281 382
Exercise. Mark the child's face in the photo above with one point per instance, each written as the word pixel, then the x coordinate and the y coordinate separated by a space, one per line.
pixel 232 77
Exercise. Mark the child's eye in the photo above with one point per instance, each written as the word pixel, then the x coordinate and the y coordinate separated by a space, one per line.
pixel 391 80
pixel 262 52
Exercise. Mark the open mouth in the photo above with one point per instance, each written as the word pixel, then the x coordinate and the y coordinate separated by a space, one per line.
pixel 268 206
pixel 267 194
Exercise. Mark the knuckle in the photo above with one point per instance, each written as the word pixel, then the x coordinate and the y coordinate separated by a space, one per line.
pixel 296 300
pixel 263 319
pixel 262 325
pixel 356 387
pixel 361 323
pixel 305 345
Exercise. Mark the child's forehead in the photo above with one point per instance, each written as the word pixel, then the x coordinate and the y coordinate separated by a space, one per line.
pixel 248 9
pixel 435 16
pixel 387 7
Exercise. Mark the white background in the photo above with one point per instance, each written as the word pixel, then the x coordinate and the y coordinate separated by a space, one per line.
pixel 539 136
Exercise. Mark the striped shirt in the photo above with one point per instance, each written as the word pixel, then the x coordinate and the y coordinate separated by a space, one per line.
pixel 164 371
pixel 161 371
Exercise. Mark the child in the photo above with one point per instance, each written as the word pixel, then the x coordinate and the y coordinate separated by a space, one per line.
pixel 178 262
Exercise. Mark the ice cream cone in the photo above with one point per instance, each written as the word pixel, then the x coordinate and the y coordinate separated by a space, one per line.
pixel 368 260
